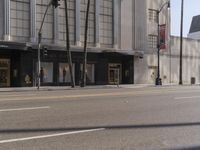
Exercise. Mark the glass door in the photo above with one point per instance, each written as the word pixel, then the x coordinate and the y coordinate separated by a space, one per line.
pixel 114 74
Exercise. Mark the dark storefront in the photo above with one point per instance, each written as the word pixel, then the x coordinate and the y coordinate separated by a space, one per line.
pixel 100 68
pixel 18 67
pixel 14 62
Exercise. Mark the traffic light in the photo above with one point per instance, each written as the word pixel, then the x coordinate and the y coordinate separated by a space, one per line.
pixel 44 52
pixel 55 3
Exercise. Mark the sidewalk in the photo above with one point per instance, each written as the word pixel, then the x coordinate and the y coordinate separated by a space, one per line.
pixel 54 88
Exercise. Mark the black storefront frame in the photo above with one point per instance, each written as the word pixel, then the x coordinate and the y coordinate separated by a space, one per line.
pixel 25 62
pixel 101 62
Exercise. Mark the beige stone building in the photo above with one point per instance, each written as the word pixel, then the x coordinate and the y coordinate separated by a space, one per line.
pixel 122 43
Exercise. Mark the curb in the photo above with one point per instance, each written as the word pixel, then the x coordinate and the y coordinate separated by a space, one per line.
pixel 54 88
pixel 57 88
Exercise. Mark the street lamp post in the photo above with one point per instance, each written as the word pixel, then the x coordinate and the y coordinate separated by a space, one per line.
pixel 158 79
pixel 181 45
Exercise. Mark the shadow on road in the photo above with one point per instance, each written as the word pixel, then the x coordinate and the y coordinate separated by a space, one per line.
pixel 185 148
pixel 114 127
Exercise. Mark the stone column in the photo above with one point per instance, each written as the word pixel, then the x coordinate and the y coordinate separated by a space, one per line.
pixel 116 23
pixel 33 34
pixel 97 22
pixel 77 22
pixel 55 27
pixel 7 36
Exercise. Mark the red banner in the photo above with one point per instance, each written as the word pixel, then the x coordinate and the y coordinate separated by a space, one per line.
pixel 163 36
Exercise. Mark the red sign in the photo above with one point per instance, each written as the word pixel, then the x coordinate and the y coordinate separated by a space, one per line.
pixel 163 36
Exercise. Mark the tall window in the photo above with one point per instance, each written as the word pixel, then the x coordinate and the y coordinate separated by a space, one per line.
pixel 20 20
pixel 64 72
pixel 62 23
pixel 153 16
pixel 90 73
pixel 91 23
pixel 152 41
pixel 106 23
pixel 47 30
pixel 46 72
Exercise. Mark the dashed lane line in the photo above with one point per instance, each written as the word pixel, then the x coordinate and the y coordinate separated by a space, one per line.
pixel 191 97
pixel 49 136
pixel 22 109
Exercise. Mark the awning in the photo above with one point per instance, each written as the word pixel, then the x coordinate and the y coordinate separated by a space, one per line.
pixel 126 52
pixel 13 45
pixel 137 53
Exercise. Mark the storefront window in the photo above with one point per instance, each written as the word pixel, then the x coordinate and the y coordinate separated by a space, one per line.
pixel 90 75
pixel 46 72
pixel 64 72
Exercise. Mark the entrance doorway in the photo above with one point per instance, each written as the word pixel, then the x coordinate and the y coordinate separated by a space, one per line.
pixel 4 72
pixel 114 74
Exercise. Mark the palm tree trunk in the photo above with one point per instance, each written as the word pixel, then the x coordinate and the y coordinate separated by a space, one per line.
pixel 83 83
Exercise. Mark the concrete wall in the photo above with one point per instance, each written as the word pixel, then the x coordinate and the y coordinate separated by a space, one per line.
pixel 146 68
pixel 133 25
pixel 191 59
pixel 140 25
pixel 126 24
pixel 170 63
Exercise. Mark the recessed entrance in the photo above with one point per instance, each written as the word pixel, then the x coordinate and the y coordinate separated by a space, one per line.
pixel 114 73
pixel 4 72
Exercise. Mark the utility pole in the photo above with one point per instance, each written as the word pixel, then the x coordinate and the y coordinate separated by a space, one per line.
pixel 69 58
pixel 83 79
pixel 181 44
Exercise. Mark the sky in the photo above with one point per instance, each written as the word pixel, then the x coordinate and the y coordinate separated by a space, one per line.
pixel 191 8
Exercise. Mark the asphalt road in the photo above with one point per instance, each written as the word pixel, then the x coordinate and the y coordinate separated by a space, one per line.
pixel 152 118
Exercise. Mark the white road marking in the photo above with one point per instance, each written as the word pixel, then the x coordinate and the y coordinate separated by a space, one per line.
pixel 18 94
pixel 191 97
pixel 49 136
pixel 21 109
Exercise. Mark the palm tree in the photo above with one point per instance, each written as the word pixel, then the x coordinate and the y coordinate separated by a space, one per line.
pixel 83 82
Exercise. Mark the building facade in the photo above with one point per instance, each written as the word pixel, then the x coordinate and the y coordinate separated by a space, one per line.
pixel 194 32
pixel 115 40
pixel 122 41
pixel 146 69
